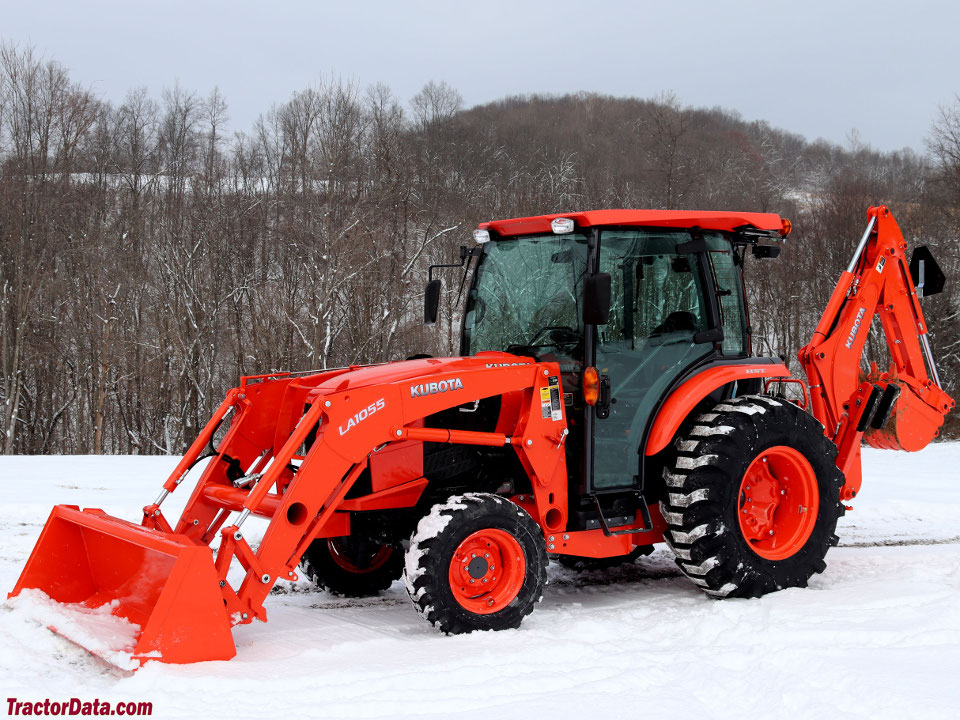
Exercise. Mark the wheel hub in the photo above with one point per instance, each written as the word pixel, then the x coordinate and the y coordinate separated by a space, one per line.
pixel 487 571
pixel 477 568
pixel 778 502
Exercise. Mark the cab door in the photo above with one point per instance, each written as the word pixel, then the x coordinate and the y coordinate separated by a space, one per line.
pixel 658 306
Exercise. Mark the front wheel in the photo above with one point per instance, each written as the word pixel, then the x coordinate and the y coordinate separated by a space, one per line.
pixel 352 567
pixel 476 562
pixel 753 498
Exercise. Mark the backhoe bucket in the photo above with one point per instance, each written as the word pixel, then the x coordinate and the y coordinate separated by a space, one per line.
pixel 911 425
pixel 164 584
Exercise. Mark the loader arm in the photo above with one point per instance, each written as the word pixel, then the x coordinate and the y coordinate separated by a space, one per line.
pixel 902 408
pixel 294 448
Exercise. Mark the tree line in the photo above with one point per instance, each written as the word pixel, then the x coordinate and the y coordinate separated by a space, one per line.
pixel 149 256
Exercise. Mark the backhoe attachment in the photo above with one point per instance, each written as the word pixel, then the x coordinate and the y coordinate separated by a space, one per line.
pixel 902 408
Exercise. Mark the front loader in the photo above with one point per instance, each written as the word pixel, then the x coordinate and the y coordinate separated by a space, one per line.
pixel 606 399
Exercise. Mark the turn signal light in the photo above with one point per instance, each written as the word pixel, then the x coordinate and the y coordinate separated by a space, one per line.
pixel 591 386
pixel 786 227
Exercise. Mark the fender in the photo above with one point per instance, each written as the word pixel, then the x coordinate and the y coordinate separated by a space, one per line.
pixel 684 399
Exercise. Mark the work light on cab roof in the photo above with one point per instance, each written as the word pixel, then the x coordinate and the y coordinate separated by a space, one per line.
pixel 562 226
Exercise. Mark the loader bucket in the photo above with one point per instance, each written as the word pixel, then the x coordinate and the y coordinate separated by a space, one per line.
pixel 165 584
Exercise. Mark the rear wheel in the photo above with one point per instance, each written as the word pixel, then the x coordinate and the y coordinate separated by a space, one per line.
pixel 352 567
pixel 476 562
pixel 753 499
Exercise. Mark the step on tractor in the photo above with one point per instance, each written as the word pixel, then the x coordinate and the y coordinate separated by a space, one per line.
pixel 606 399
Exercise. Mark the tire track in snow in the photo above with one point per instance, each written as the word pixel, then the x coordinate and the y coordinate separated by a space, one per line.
pixel 908 542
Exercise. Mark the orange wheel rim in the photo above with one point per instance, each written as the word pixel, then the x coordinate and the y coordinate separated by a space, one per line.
pixel 778 504
pixel 350 562
pixel 487 571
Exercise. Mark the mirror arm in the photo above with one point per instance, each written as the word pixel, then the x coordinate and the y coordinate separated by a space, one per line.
pixel 465 254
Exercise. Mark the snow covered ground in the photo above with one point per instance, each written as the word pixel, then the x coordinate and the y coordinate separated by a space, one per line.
pixel 877 635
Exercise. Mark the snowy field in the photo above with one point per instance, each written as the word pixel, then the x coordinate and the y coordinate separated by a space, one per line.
pixel 876 636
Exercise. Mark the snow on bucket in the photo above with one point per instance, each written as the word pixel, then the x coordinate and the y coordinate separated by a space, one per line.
pixel 163 586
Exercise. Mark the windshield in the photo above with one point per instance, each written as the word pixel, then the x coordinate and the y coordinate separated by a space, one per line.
pixel 527 295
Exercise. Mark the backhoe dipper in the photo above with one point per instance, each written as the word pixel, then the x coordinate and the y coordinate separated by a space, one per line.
pixel 606 399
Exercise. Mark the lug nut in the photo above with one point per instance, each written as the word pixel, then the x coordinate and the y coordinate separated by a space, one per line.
pixel 486 555
pixel 484 579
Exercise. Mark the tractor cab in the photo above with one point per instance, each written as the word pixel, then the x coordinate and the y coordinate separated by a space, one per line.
pixel 628 310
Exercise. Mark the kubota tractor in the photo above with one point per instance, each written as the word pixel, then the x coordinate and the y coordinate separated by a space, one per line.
pixel 606 399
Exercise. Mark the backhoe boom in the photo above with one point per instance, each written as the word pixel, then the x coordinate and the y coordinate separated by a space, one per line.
pixel 902 408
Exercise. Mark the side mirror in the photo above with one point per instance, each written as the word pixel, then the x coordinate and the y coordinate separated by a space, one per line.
pixel 713 335
pixel 431 302
pixel 596 299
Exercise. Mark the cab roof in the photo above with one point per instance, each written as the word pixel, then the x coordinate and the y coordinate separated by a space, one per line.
pixel 704 219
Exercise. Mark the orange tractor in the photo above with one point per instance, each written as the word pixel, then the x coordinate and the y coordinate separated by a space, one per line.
pixel 606 399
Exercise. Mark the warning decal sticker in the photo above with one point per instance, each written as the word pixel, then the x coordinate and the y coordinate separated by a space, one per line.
pixel 556 405
pixel 545 409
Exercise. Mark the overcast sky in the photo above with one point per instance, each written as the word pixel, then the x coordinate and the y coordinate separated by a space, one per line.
pixel 817 68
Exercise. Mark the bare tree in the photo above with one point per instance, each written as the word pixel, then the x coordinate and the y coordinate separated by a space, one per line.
pixel 944 144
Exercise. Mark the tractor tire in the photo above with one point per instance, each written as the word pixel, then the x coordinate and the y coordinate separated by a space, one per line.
pixel 476 562
pixel 584 564
pixel 753 498
pixel 352 567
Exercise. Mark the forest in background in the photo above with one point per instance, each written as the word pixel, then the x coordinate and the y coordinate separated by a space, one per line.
pixel 150 255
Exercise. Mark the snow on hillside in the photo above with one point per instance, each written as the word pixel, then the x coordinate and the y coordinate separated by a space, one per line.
pixel 877 635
